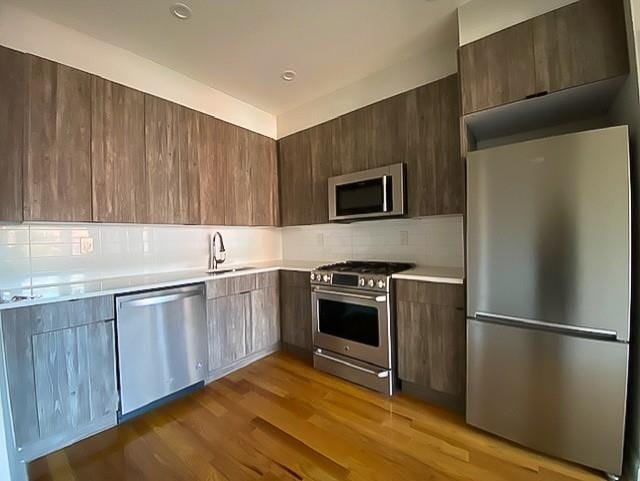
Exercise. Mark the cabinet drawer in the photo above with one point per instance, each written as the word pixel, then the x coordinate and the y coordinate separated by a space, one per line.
pixel 451 295
pixel 61 315
pixel 230 286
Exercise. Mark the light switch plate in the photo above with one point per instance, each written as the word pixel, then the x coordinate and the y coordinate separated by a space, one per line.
pixel 404 238
pixel 86 245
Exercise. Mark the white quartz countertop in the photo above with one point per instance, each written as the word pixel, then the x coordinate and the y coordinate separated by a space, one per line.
pixel 444 275
pixel 121 285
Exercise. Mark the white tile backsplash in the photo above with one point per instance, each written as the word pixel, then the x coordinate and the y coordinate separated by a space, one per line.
pixel 40 254
pixel 429 241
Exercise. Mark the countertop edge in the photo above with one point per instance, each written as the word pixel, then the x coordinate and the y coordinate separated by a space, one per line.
pixel 142 286
pixel 428 278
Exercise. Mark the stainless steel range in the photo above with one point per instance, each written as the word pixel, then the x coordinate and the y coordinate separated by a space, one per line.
pixel 353 322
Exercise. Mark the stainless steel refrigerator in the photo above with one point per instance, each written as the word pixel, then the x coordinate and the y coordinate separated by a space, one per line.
pixel 549 265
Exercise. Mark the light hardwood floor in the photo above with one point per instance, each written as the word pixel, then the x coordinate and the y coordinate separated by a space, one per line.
pixel 281 419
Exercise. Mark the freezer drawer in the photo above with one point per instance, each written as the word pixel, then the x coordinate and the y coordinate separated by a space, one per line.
pixel 558 394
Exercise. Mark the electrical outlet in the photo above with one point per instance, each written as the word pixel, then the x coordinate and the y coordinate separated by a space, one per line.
pixel 404 238
pixel 86 245
pixel 320 239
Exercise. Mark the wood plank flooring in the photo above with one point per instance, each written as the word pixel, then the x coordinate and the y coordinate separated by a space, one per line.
pixel 281 419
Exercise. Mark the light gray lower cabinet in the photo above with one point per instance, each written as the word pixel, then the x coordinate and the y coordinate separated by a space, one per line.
pixel 265 319
pixel 243 318
pixel 227 324
pixel 61 371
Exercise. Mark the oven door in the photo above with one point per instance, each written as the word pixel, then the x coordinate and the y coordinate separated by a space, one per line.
pixel 367 194
pixel 352 323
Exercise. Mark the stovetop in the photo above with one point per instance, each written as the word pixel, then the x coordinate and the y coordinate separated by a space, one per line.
pixel 367 267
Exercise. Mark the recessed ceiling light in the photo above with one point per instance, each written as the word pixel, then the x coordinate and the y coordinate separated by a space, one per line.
pixel 288 75
pixel 181 11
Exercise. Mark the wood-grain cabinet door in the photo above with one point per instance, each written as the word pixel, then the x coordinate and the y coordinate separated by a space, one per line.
pixel 295 304
pixel 354 142
pixel 192 151
pixel 323 151
pixel 296 202
pixel 212 170
pixel 265 318
pixel 118 153
pixel 13 95
pixel 581 43
pixel 498 69
pixel 435 168
pixel 263 177
pixel 60 362
pixel 75 380
pixel 173 140
pixel 431 336
pixel 227 323
pixel 163 162
pixel 238 198
pixel 57 163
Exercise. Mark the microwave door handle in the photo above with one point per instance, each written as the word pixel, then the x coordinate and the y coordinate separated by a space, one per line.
pixel 385 203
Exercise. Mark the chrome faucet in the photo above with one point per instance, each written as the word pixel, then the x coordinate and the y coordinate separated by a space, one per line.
pixel 214 260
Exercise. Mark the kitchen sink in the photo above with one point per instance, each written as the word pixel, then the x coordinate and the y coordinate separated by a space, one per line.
pixel 228 271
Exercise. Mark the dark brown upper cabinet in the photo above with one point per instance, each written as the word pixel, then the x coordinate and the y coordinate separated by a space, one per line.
pixel 192 151
pixel 13 94
pixel 354 143
pixel 263 165
pixel 323 150
pixel 212 168
pixel 294 156
pixel 171 162
pixel 435 168
pixel 238 202
pixel 498 69
pixel 118 153
pixel 581 43
pixel 57 161
pixel 420 128
pixel 164 174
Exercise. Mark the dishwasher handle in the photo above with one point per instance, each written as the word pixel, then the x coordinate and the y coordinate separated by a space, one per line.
pixel 152 301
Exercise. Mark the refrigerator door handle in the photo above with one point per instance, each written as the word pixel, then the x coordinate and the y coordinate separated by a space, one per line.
pixel 578 331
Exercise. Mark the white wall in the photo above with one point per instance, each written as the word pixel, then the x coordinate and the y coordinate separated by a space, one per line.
pixel 479 18
pixel 25 31
pixel 409 74
pixel 428 241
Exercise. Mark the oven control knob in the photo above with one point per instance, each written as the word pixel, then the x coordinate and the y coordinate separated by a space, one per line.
pixel 362 282
pixel 371 283
pixel 381 284
pixel 313 276
pixel 326 278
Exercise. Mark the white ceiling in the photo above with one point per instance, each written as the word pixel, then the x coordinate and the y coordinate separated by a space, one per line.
pixel 241 46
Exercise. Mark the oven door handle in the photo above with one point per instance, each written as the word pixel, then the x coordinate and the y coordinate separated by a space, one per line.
pixel 349 294
pixel 381 374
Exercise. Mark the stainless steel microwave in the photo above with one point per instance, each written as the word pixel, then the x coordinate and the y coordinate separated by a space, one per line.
pixel 368 194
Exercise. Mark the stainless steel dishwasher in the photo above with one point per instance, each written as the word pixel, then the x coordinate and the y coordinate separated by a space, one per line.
pixel 162 346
